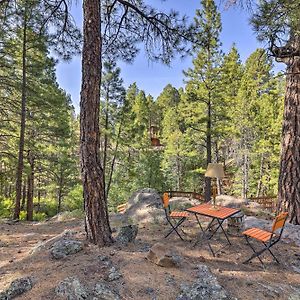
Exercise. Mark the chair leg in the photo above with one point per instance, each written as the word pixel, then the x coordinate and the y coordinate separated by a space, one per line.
pixel 174 228
pixel 268 248
pixel 255 254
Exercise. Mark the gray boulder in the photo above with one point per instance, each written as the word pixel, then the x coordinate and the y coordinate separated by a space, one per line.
pixel 16 288
pixel 64 247
pixel 206 287
pixel 144 206
pixel 127 234
pixel 71 289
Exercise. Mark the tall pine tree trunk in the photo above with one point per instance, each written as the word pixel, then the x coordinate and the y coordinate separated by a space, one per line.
pixel 96 220
pixel 29 206
pixel 60 189
pixel 22 125
pixel 208 151
pixel 261 174
pixel 23 203
pixel 289 178
pixel 245 175
pixel 112 165
pixel 105 144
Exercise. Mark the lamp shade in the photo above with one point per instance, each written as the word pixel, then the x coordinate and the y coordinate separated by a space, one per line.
pixel 214 171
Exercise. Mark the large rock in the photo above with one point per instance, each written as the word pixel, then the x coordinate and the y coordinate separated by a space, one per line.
pixel 71 289
pixel 62 248
pixel 230 201
pixel 163 256
pixel 206 287
pixel 127 234
pixel 16 288
pixel 145 206
pixel 291 233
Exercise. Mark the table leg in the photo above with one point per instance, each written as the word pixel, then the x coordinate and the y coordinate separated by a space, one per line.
pixel 220 225
pixel 204 236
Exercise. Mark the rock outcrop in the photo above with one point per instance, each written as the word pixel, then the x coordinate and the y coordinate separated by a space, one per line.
pixel 62 248
pixel 17 288
pixel 127 234
pixel 206 287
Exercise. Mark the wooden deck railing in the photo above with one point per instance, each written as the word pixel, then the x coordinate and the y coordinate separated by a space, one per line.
pixel 193 195
pixel 267 202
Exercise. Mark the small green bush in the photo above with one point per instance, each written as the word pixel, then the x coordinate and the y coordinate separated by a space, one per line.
pixel 6 207
pixel 37 216
pixel 40 216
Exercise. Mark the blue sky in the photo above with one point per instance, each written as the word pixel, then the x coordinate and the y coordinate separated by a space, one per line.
pixel 153 77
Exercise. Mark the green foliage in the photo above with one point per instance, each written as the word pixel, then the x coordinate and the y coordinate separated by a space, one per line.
pixel 74 199
pixel 227 111
pixel 37 216
pixel 6 207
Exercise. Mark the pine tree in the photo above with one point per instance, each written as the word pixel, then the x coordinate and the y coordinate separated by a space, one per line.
pixel 203 81
pixel 112 106
pixel 256 94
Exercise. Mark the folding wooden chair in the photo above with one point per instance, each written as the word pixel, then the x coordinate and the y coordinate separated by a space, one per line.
pixel 174 218
pixel 269 239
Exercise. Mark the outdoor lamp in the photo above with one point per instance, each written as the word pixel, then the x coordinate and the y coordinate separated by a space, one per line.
pixel 214 170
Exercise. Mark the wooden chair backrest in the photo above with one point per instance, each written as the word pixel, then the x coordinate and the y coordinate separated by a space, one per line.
pixel 121 208
pixel 279 221
pixel 166 199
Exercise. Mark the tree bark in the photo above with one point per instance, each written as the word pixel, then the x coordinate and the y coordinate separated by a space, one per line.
pixel 60 189
pixel 29 206
pixel 112 165
pixel 105 140
pixel 245 176
pixel 261 174
pixel 208 151
pixel 23 196
pixel 23 123
pixel 289 176
pixel 96 220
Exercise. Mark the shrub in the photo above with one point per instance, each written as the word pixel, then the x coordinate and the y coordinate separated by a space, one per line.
pixel 6 207
pixel 37 216
pixel 74 200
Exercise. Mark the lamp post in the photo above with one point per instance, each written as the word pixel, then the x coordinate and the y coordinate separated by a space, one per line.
pixel 214 170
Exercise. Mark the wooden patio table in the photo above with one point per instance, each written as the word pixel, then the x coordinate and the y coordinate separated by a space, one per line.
pixel 219 213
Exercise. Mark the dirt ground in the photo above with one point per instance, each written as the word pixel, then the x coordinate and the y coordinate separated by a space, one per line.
pixel 142 279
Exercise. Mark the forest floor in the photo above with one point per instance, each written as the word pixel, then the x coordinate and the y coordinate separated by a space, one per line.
pixel 142 279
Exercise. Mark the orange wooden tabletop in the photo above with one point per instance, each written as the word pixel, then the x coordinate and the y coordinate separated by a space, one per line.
pixel 206 209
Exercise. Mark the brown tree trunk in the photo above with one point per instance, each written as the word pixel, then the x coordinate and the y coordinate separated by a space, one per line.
pixel 208 151
pixel 105 147
pixel 261 174
pixel 29 207
pixel 60 189
pixel 112 165
pixel 245 176
pixel 23 196
pixel 289 176
pixel 178 173
pixel 96 221
pixel 22 126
